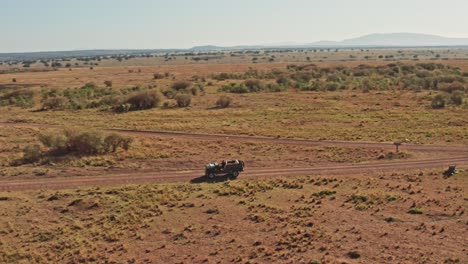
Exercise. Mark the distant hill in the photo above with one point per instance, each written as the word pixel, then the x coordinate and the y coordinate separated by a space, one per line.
pixel 403 39
pixel 372 40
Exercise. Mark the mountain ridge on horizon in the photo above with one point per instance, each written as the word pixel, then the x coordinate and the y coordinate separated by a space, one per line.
pixel 377 40
pixel 370 40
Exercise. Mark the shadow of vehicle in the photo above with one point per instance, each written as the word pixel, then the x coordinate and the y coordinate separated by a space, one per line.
pixel 204 178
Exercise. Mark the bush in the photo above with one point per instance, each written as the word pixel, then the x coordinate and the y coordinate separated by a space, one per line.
pixel 143 100
pixel 183 100
pixel 169 93
pixel 21 98
pixel 457 98
pixel 273 87
pixel 113 141
pixel 32 153
pixel 455 86
pixel 55 142
pixel 181 85
pixel 314 86
pixel 234 88
pixel 58 102
pixel 108 83
pixel 223 101
pixel 123 108
pixel 438 102
pixel 86 143
pixel 332 86
pixel 415 210
pixel 110 100
pixel 201 87
pixel 282 80
pixel 194 91
pixel 158 76
pixel 83 142
pixel 253 85
pixel 166 105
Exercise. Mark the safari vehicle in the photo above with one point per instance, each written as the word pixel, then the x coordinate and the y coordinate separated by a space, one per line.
pixel 226 167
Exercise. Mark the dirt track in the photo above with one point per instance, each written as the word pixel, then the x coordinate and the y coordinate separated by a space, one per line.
pixel 459 153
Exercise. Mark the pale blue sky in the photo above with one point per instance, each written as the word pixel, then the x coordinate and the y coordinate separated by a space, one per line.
pixel 40 25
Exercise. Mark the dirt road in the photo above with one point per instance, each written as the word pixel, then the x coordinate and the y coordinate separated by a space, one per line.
pixel 459 153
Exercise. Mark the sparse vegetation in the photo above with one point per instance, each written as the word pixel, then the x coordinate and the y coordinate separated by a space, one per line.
pixel 415 210
pixel 75 142
pixel 140 101
pixel 181 85
pixel 223 101
pixel 108 83
pixel 20 97
pixel 183 100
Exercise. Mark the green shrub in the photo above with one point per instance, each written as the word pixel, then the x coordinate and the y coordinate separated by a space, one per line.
pixel 234 88
pixel 455 86
pixel 331 86
pixel 169 93
pixel 108 83
pixel 194 91
pixel 55 142
pixel 224 76
pixel 450 79
pixel 110 100
pixel 457 97
pixel 282 80
pixel 201 87
pixel 181 85
pixel 113 141
pixel 323 193
pixel 183 100
pixel 21 98
pixel 32 153
pixel 86 143
pixel 83 142
pixel 123 108
pixel 253 85
pixel 58 103
pixel 166 104
pixel 438 102
pixel 158 76
pixel 223 101
pixel 273 87
pixel 415 210
pixel 314 86
pixel 143 100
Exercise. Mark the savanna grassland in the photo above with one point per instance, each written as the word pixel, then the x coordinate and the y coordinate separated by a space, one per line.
pixel 378 218
pixel 54 124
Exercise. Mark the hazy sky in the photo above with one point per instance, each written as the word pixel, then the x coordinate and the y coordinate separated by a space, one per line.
pixel 40 25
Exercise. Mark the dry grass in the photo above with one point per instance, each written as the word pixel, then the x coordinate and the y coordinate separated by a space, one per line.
pixel 387 116
pixel 375 218
pixel 299 219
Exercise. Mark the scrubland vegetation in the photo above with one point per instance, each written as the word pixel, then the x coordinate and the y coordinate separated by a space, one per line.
pixel 56 119
pixel 382 218
pixel 448 84
pixel 73 142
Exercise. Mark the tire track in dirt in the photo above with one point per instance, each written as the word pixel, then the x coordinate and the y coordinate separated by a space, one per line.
pixel 461 158
pixel 196 176
pixel 261 139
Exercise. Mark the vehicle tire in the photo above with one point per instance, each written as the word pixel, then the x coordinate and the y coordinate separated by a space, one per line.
pixel 235 174
pixel 211 175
